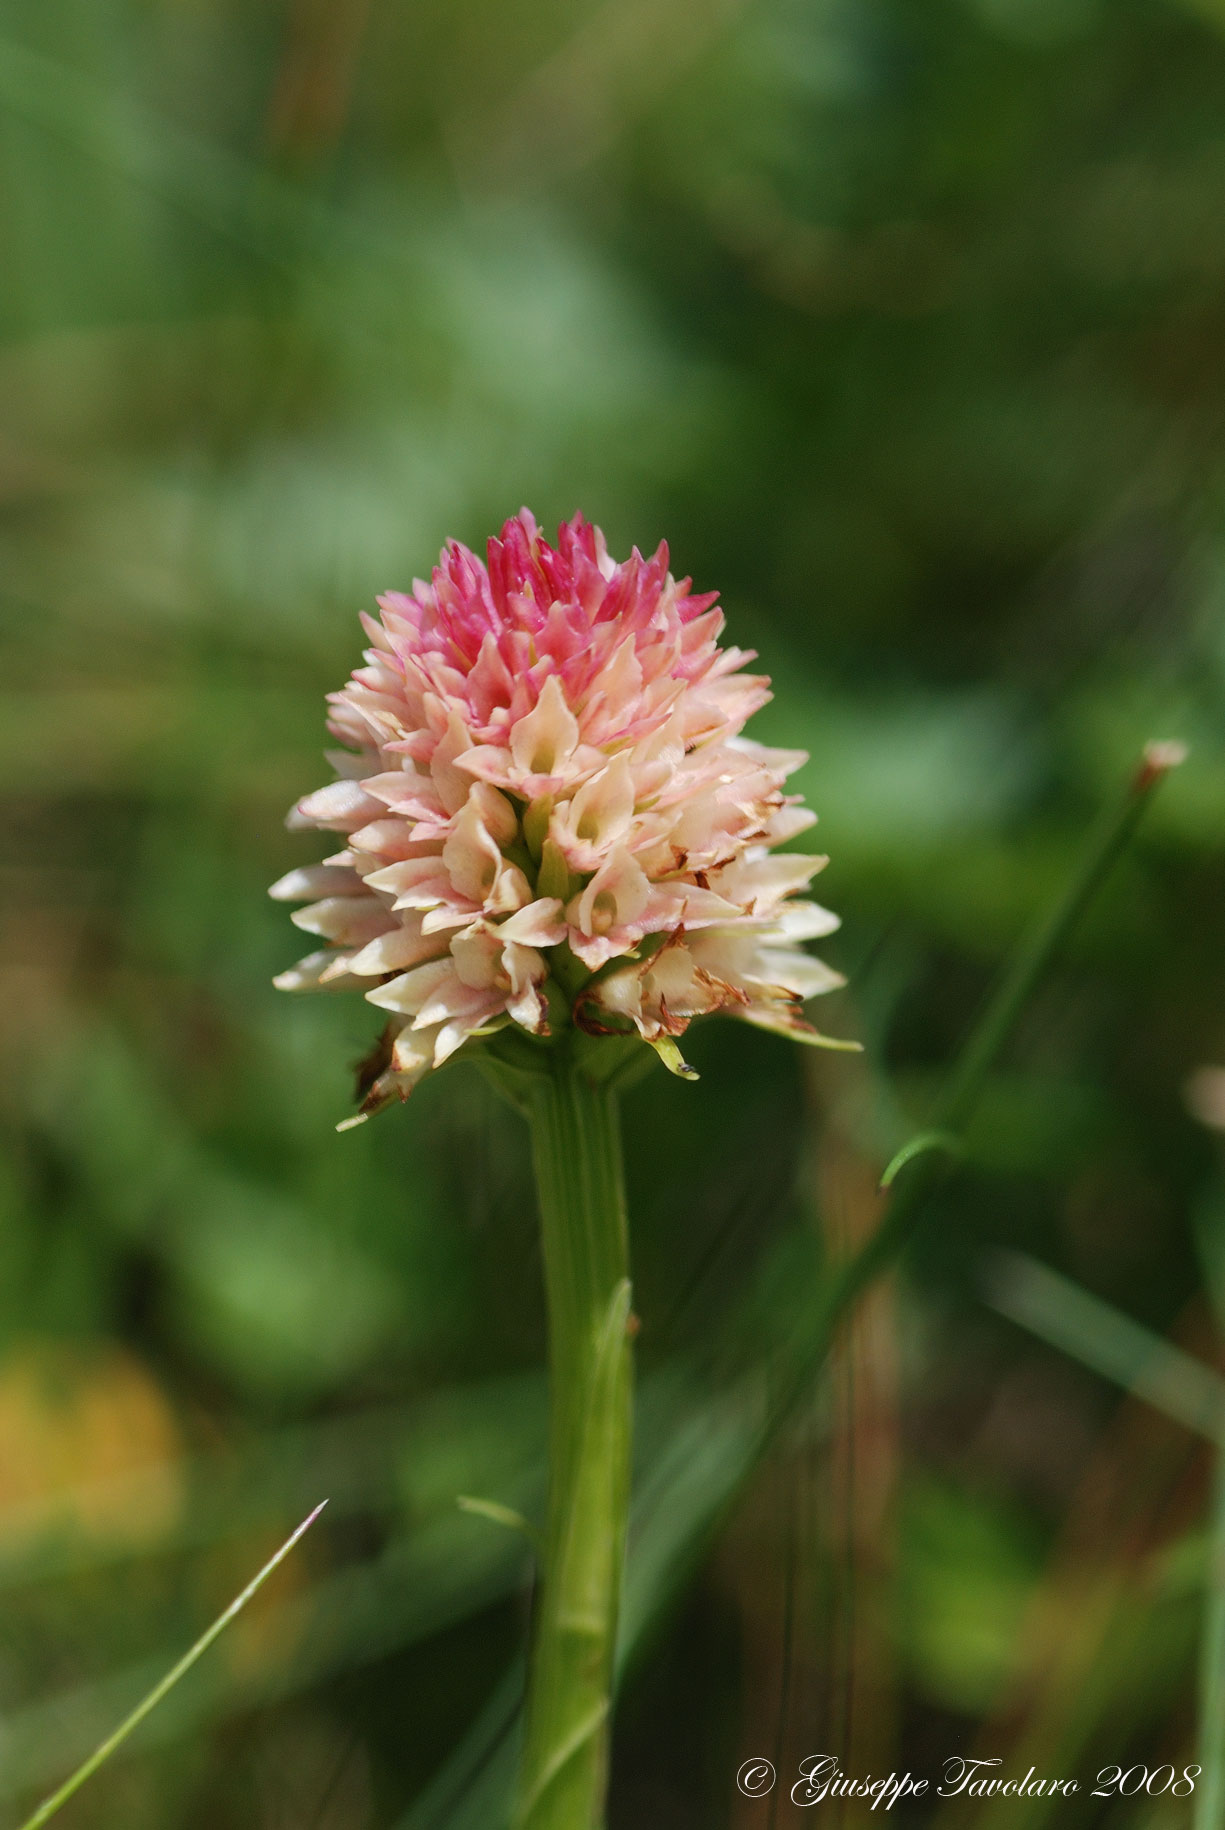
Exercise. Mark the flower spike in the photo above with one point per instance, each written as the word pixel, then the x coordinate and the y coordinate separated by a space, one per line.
pixel 550 814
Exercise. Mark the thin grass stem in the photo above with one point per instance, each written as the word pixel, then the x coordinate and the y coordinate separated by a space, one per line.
pixel 149 1703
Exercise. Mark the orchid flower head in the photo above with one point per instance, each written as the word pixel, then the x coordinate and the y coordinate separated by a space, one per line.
pixel 549 817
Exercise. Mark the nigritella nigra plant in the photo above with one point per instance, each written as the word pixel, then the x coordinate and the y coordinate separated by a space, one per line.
pixel 557 849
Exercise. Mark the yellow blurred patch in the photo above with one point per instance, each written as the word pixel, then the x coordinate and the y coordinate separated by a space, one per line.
pixel 89 1446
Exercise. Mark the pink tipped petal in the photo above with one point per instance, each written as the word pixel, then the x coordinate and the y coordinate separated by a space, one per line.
pixel 308 974
pixel 477 957
pixel 598 818
pixel 316 881
pixel 412 1057
pixel 341 807
pixel 453 1002
pixel 453 1035
pixel 406 994
pixel 538 924
pixel 471 857
pixel 452 783
pixel 788 823
pixel 761 883
pixel 512 891
pixel 389 841
pixel 804 921
pixel 781 763
pixel 404 946
pixel 529 1008
pixel 446 916
pixel 545 740
pixel 618 892
pixel 350 767
pixel 416 883
pixel 797 972
pixel 350 920
pixel 405 792
pixel 412 1053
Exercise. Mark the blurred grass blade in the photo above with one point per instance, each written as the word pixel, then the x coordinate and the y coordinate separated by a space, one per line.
pixel 917 1146
pixel 1102 1338
pixel 497 1514
pixel 472 1789
pixel 149 1703
pixel 1210 1790
pixel 1209 1812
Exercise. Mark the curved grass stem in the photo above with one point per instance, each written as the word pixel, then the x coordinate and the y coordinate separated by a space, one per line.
pixel 917 1167
pixel 162 1689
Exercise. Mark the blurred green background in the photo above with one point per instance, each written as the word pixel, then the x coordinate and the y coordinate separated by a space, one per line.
pixel 904 322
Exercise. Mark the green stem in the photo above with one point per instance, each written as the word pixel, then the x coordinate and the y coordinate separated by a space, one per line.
pixel 577 1155
pixel 1209 1810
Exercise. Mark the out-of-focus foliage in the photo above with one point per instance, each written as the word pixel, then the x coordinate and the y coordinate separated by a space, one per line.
pixel 903 320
